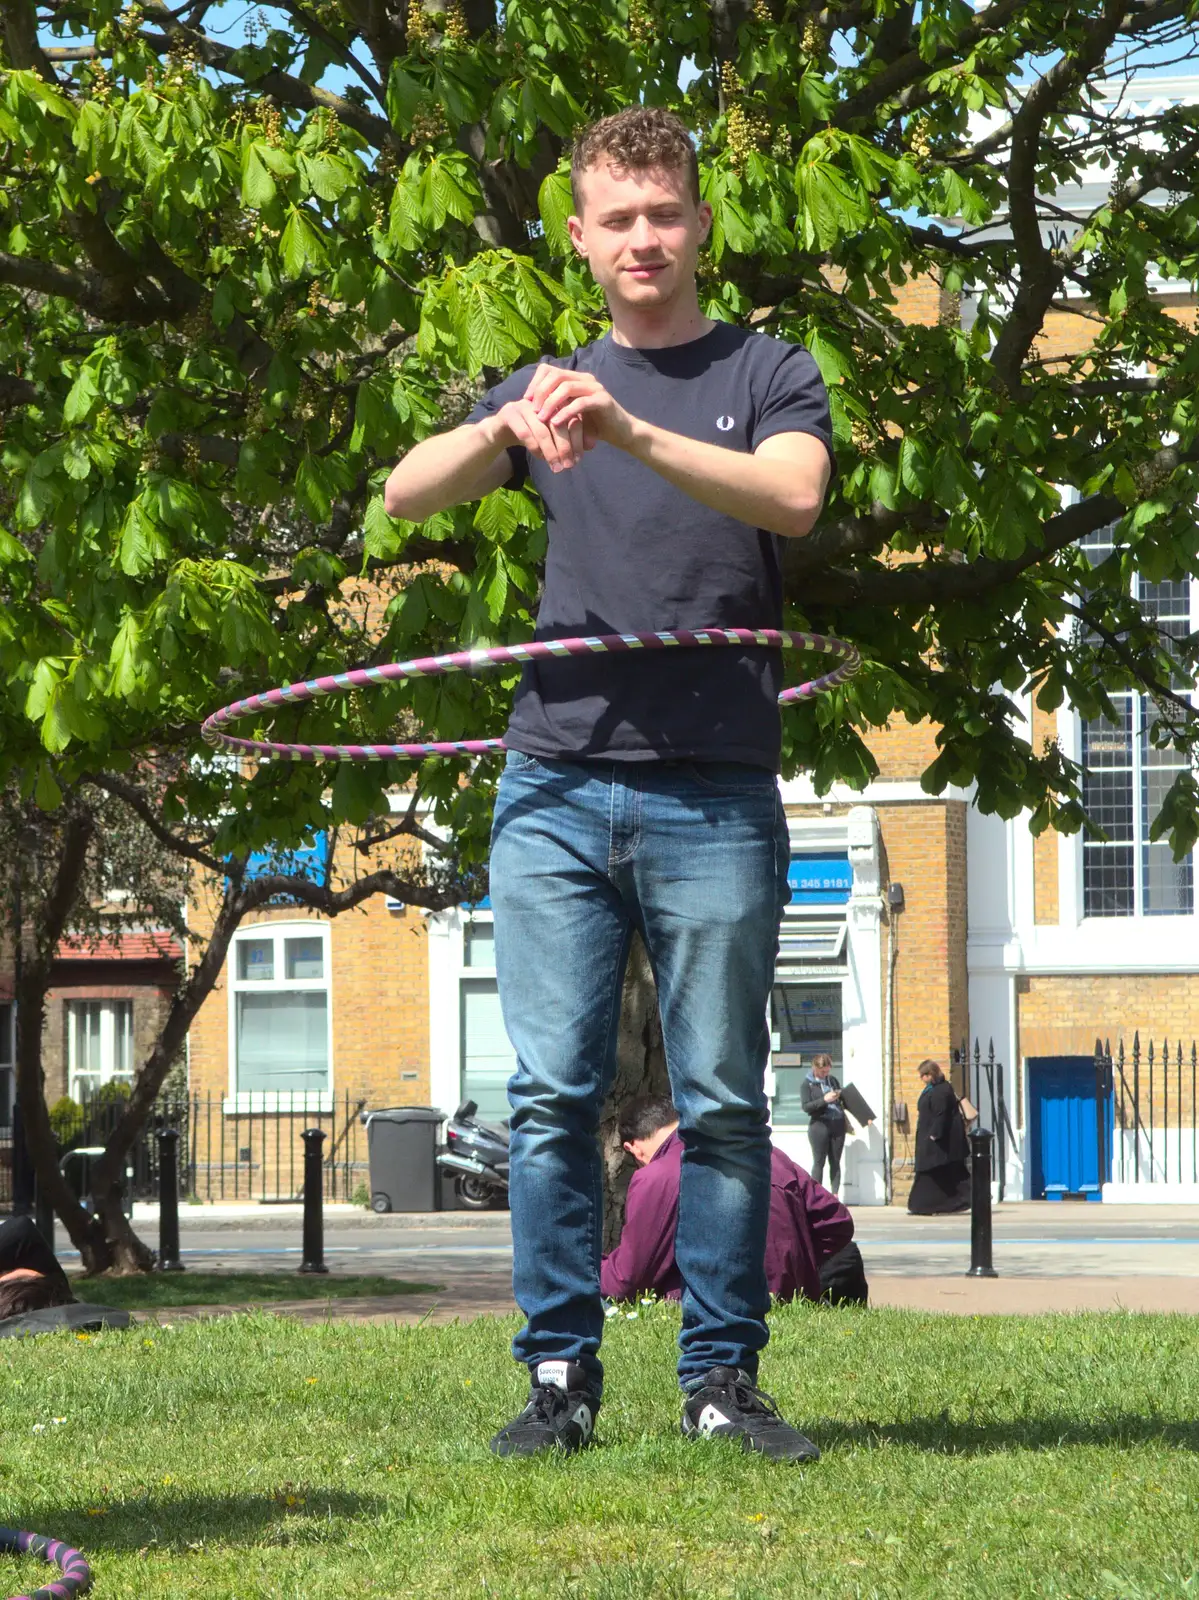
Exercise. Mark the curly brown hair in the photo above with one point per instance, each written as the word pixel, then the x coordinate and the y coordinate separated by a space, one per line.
pixel 20 1295
pixel 634 140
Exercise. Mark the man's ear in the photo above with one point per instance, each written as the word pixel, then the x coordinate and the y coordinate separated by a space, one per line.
pixel 627 1146
pixel 574 226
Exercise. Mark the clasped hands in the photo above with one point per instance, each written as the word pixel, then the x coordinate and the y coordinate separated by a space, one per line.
pixel 561 416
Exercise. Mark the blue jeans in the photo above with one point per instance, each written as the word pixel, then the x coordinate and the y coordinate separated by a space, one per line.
pixel 694 857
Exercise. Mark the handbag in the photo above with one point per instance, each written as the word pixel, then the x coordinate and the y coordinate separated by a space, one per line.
pixel 968 1109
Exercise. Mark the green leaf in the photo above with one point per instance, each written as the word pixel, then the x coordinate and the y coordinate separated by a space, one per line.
pixel 12 551
pixel 81 397
pixel 915 468
pixel 123 658
pixel 48 673
pixel 831 204
pixel 142 542
pixel 404 97
pixel 447 189
pixel 491 581
pixel 278 160
pixel 46 791
pixel 301 245
pixel 383 537
pixel 257 185
pixel 556 204
pixel 314 487
pixel 403 217
pixel 960 200
pixel 324 176
pixel 76 459
pixel 882 484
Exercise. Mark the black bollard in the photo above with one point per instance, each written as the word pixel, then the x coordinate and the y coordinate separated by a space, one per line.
pixel 168 1201
pixel 314 1202
pixel 980 1204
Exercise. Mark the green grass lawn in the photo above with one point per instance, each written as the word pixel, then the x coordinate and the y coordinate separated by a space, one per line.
pixel 251 1457
pixel 151 1290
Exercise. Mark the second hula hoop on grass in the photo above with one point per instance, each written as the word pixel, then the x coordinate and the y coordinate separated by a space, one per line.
pixel 845 655
pixel 76 1574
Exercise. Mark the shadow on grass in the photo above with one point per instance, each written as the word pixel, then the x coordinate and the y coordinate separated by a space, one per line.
pixel 293 1513
pixel 942 1436
pixel 149 1290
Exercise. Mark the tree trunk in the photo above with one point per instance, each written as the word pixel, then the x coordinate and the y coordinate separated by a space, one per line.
pixel 30 990
pixel 640 1069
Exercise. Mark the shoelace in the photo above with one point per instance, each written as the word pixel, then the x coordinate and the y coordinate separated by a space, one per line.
pixel 762 1407
pixel 546 1400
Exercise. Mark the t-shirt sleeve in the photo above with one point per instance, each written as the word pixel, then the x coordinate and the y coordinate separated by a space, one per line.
pixel 796 401
pixel 512 388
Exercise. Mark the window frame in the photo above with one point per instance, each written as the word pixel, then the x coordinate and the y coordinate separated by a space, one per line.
pixel 1139 844
pixel 108 1044
pixel 302 1101
pixel 473 976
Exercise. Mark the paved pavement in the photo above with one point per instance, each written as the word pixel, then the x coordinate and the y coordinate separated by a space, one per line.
pixel 1048 1257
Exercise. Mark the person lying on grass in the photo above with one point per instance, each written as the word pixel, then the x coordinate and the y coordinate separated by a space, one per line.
pixel 809 1233
pixel 30 1276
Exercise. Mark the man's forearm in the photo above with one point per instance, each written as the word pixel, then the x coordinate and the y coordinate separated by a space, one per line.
pixel 757 490
pixel 442 471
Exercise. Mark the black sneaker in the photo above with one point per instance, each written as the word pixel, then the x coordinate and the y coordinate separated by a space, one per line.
pixel 728 1406
pixel 560 1414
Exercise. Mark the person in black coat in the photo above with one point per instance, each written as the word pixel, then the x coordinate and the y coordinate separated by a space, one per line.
pixel 826 1125
pixel 942 1174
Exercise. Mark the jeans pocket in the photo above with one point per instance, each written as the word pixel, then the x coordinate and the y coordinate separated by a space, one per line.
pixel 732 777
pixel 517 761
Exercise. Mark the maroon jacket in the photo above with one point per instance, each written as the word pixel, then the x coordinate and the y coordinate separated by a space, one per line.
pixel 807 1225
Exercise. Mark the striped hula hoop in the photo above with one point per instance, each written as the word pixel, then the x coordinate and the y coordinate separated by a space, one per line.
pixel 76 1574
pixel 846 656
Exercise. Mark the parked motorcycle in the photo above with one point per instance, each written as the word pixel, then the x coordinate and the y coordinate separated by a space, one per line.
pixel 476 1155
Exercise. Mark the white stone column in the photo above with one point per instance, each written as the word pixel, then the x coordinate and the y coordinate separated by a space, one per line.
pixel 864 1181
pixel 445 947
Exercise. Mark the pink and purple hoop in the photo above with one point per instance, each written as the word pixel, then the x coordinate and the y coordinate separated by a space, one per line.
pixel 76 1574
pixel 846 655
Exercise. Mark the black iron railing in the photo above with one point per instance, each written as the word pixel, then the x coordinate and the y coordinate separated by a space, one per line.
pixel 984 1083
pixel 229 1149
pixel 1146 1104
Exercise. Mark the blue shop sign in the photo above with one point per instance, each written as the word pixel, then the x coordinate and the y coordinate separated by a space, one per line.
pixel 308 861
pixel 824 880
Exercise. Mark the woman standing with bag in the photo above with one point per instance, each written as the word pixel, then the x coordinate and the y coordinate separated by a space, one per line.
pixel 942 1171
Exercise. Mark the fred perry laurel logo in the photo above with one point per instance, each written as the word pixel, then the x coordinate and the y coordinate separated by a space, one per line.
pixel 724 423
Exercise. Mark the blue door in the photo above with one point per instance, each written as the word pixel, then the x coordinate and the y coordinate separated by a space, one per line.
pixel 1063 1129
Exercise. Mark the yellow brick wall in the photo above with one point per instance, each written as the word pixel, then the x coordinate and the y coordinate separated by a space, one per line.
pixel 1062 1015
pixel 903 749
pixel 379 997
pixel 925 850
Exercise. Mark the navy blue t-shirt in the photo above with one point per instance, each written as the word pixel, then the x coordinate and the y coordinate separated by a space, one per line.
pixel 630 553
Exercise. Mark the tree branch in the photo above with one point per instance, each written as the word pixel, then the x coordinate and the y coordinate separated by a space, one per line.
pixel 1040 276
pixel 896 75
pixel 281 85
pixel 19 18
pixel 15 392
pixel 345 55
pixel 1123 654
pixel 110 783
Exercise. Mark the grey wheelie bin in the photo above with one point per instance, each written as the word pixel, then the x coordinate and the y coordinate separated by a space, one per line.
pixel 401 1144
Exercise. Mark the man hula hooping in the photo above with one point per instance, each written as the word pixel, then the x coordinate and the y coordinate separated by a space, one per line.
pixel 640 793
